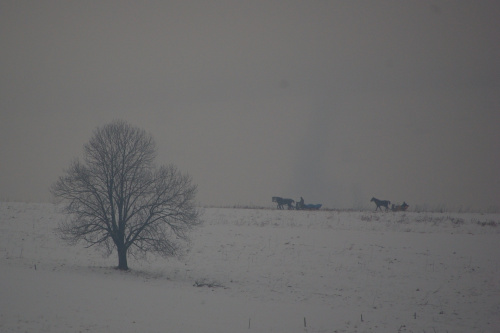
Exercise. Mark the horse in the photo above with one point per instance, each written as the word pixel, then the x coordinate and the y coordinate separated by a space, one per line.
pixel 381 203
pixel 280 202
pixel 400 208
pixel 283 201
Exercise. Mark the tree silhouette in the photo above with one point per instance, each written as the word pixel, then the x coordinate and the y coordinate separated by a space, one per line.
pixel 117 198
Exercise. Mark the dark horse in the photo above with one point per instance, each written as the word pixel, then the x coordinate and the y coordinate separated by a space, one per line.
pixel 381 203
pixel 280 202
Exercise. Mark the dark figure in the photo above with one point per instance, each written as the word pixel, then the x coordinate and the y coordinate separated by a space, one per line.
pixel 400 208
pixel 300 204
pixel 381 203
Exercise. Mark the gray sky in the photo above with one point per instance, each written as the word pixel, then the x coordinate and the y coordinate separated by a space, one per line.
pixel 335 101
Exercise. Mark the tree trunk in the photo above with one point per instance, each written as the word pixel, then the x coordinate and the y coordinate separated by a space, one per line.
pixel 122 258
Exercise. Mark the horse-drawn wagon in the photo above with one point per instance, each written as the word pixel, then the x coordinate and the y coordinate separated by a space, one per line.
pixel 385 203
pixel 299 205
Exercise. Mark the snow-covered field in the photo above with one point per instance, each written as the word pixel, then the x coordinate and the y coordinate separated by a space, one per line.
pixel 251 270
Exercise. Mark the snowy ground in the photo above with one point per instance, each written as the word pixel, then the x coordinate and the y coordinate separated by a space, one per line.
pixel 260 271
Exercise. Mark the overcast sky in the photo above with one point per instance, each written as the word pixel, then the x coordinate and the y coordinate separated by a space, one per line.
pixel 335 101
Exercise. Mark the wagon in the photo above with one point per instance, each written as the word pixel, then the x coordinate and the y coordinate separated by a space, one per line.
pixel 400 208
pixel 310 207
pixel 302 206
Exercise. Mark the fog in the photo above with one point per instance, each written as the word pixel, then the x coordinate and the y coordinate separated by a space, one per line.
pixel 334 101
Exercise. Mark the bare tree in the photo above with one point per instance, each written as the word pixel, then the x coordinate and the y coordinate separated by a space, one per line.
pixel 117 198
